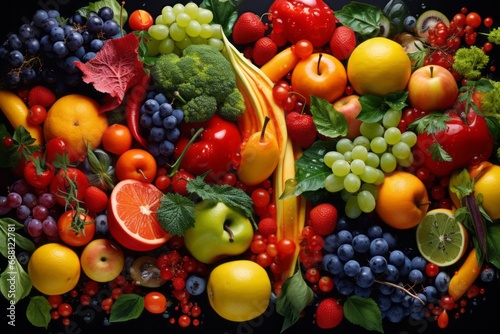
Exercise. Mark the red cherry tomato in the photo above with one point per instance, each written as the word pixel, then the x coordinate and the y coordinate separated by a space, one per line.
pixel 473 19
pixel 76 230
pixel 37 115
pixel 140 20
pixel 303 48
pixel 54 148
pixel 155 302
pixel 39 178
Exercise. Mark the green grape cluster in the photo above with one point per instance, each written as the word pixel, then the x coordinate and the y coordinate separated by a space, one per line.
pixel 179 26
pixel 359 165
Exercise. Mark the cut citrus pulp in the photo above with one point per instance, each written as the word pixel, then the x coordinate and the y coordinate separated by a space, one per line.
pixel 132 217
pixel 440 238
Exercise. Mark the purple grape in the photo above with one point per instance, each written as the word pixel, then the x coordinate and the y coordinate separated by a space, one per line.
pixel 14 200
pixel 49 226
pixel 40 212
pixel 21 187
pixel 23 212
pixel 35 228
pixel 30 200
pixel 47 200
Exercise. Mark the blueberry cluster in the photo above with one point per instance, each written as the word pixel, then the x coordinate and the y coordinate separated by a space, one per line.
pixel 46 49
pixel 161 121
pixel 364 260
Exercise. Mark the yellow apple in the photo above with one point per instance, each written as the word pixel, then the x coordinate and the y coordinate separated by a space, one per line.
pixel 350 107
pixel 102 260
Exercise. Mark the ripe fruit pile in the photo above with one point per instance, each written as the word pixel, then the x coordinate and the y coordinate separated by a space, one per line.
pixel 349 185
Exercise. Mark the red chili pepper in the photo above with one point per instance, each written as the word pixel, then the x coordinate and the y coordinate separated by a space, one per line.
pixel 133 109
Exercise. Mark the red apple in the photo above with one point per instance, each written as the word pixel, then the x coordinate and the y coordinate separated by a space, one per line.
pixel 102 260
pixel 349 106
pixel 432 88
pixel 321 75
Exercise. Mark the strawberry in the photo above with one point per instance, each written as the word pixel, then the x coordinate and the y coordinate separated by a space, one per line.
pixel 267 226
pixel 96 200
pixel 301 128
pixel 248 28
pixel 343 42
pixel 263 50
pixel 41 95
pixel 323 218
pixel 329 313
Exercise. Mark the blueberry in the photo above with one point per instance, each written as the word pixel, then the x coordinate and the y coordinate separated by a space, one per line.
pixel 361 243
pixel 409 23
pixel 378 264
pixel 345 252
pixel 365 277
pixel 378 246
pixel 488 274
pixel 101 224
pixel 397 258
pixel 351 268
pixel 195 285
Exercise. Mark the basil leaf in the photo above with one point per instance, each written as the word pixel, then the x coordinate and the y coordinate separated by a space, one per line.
pixel 38 311
pixel 361 17
pixel 225 13
pixel 493 244
pixel 15 283
pixel 363 312
pixel 329 122
pixel 126 307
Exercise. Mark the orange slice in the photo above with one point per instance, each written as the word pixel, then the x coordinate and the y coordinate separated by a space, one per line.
pixel 132 217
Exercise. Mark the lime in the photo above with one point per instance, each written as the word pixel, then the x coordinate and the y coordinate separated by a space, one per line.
pixel 440 238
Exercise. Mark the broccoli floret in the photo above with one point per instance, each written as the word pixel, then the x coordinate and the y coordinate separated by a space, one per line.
pixel 202 73
pixel 470 61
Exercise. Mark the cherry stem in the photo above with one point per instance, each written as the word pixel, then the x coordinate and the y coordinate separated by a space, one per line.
pixel 408 292
pixel 228 230
pixel 319 62
pixel 263 131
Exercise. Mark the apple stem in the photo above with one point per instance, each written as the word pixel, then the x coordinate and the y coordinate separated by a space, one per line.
pixel 263 131
pixel 424 203
pixel 319 62
pixel 432 71
pixel 228 230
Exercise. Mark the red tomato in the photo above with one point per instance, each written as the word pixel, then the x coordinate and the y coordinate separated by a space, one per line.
pixel 37 114
pixel 76 228
pixel 38 178
pixel 303 48
pixel 137 164
pixel 140 20
pixel 473 19
pixel 69 185
pixel 155 302
pixel 55 146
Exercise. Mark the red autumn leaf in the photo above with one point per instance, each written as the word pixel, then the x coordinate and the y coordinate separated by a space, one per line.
pixel 114 69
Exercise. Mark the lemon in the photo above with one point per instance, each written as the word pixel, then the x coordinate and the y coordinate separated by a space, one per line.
pixel 378 66
pixel 239 290
pixel 54 269
pixel 440 238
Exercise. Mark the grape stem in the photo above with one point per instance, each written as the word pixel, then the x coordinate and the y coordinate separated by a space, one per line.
pixel 408 292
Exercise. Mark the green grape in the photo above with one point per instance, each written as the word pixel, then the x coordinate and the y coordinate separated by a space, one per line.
pixel 178 8
pixel 205 15
pixel 361 141
pixel 158 31
pixel 371 130
pixel 341 168
pixel 369 175
pixel 216 31
pixel 177 33
pixel 348 156
pixel 159 20
pixel 216 43
pixel 352 209
pixel 184 43
pixel 334 183
pixel 182 19
pixel 371 188
pixel 352 182
pixel 344 145
pixel 366 201
pixel 153 47
pixel 192 9
pixel 345 195
pixel 331 157
pixel 391 118
pixel 401 150
pixel 388 162
pixel 392 135
pixel 198 40
pixel 359 152
pixel 206 30
pixel 381 177
pixel 358 166
pixel 405 162
pixel 193 28
pixel 168 15
pixel 166 46
pixel 378 145
pixel 409 137
pixel 372 160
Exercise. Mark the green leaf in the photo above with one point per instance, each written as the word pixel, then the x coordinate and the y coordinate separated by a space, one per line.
pixel 363 312
pixel 295 295
pixel 120 14
pixel 25 243
pixel 430 124
pixel 373 108
pixel 329 122
pixel 126 307
pixel 38 311
pixel 361 17
pixel 311 170
pixel 225 13
pixel 176 213
pixel 15 283
pixel 493 244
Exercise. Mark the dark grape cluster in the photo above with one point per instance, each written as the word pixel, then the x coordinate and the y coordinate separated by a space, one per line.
pixel 161 121
pixel 46 49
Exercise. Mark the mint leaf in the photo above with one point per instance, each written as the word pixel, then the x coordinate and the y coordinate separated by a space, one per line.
pixel 175 213
pixel 329 122
pixel 38 311
pixel 15 283
pixel 295 295
pixel 126 307
pixel 363 312
pixel 361 17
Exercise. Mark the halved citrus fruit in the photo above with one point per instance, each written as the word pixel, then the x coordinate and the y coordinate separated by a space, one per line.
pixel 441 239
pixel 132 217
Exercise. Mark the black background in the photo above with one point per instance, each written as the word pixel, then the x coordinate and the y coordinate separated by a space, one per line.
pixel 482 314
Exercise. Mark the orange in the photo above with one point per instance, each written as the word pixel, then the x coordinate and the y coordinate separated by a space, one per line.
pixel 402 200
pixel 54 269
pixel 76 119
pixel 378 66
pixel 117 139
pixel 132 217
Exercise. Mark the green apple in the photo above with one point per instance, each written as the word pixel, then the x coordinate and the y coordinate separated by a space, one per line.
pixel 218 232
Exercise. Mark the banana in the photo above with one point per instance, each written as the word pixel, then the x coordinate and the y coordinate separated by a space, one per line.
pixel 16 112
pixel 257 90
